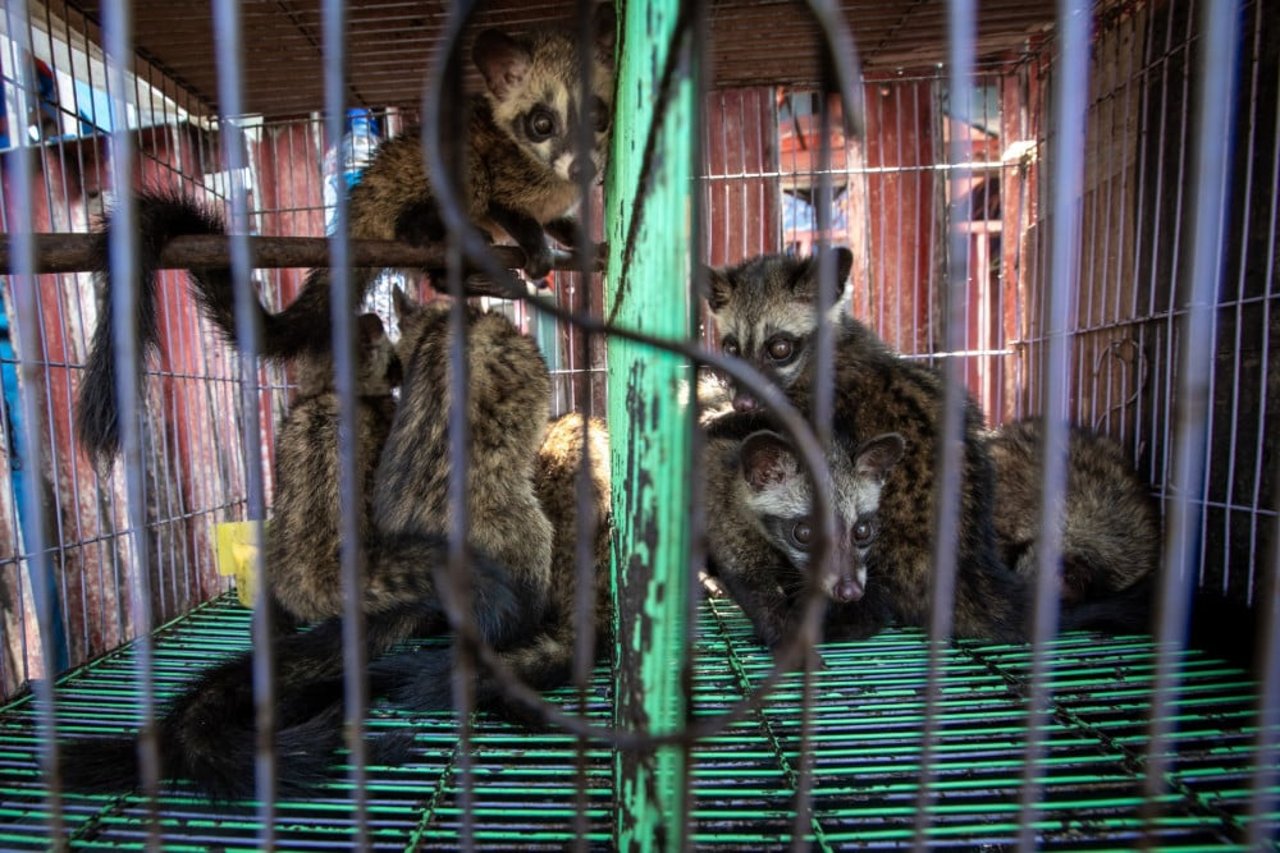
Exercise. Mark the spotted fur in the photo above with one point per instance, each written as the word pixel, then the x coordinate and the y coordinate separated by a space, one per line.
pixel 1110 523
pixel 514 183
pixel 207 732
pixel 766 312
pixel 507 411
pixel 303 561
pixel 420 679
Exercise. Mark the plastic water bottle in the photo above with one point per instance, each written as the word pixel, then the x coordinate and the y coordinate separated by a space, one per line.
pixel 346 161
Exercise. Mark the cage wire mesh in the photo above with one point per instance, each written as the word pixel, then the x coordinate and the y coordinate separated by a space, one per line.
pixel 1119 275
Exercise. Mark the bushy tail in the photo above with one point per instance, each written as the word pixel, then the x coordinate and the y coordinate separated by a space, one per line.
pixel 1218 625
pixel 207 733
pixel 300 327
pixel 160 218
pixel 421 680
pixel 400 570
pixel 99 765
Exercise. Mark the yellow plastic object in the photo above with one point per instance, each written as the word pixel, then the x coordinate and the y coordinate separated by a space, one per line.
pixel 237 544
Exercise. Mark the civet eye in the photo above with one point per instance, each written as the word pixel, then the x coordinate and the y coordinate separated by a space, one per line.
pixel 781 349
pixel 730 347
pixel 863 533
pixel 802 533
pixel 540 124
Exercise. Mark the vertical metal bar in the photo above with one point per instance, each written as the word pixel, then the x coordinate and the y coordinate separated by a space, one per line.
pixel 1166 425
pixel 170 457
pixel 1104 98
pixel 938 208
pixel 158 454
pixel 459 394
pixel 822 416
pixel 878 287
pixel 57 582
pixel 1143 169
pixel 697 55
pixel 1247 198
pixel 81 481
pixel 725 187
pixel 767 238
pixel 584 550
pixel 899 243
pixel 1216 110
pixel 220 409
pixel 961 24
pixel 919 179
pixel 585 593
pixel 69 323
pixel 1038 275
pixel 995 364
pixel 1122 253
pixel 1100 394
pixel 23 286
pixel 190 462
pixel 59 617
pixel 744 221
pixel 1148 294
pixel 1067 188
pixel 1094 275
pixel 465 666
pixel 208 424
pixel 116 27
pixel 230 60
pixel 773 233
pixel 343 332
pixel 1018 288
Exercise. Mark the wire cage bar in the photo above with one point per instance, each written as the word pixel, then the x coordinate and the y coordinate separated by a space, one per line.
pixel 1065 214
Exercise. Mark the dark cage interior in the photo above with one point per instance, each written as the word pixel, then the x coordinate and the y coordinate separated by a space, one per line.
pixel 1041 213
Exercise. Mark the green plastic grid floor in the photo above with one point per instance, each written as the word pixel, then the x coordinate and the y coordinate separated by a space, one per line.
pixel 867 736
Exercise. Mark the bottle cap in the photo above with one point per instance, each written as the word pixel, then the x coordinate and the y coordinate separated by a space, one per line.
pixel 361 120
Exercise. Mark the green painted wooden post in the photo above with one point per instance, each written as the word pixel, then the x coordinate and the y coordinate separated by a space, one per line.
pixel 648 288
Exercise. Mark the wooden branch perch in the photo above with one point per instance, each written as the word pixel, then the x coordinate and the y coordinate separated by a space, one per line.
pixel 63 253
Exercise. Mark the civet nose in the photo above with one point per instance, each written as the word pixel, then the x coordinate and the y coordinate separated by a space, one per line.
pixel 582 169
pixel 743 402
pixel 847 590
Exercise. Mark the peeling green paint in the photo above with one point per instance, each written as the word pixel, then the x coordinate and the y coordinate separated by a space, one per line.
pixel 648 289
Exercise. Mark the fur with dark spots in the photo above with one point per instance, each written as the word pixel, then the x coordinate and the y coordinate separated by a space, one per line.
pixel 507 187
pixel 877 391
pixel 421 679
pixel 507 410
pixel 206 735
pixel 303 554
pixel 1110 522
